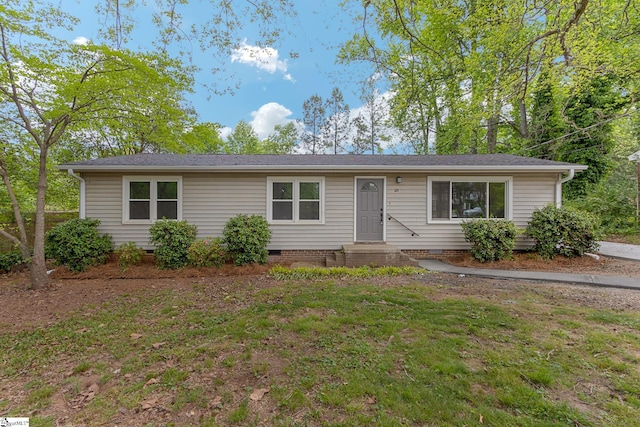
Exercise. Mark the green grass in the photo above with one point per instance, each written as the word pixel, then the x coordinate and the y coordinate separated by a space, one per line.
pixel 334 353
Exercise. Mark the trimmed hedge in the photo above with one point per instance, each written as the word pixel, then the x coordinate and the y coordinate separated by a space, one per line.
pixel 247 237
pixel 77 244
pixel 172 240
pixel 129 254
pixel 207 253
pixel 563 231
pixel 491 240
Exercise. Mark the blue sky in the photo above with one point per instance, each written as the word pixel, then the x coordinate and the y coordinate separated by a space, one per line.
pixel 272 82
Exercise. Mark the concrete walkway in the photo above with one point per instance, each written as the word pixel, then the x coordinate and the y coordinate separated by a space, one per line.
pixel 618 250
pixel 584 279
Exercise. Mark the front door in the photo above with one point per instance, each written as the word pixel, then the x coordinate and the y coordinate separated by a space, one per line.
pixel 369 210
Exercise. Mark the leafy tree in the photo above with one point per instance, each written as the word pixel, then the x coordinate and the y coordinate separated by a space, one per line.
pixel 465 69
pixel 337 127
pixel 589 139
pixel 50 90
pixel 370 124
pixel 203 138
pixel 546 125
pixel 282 140
pixel 243 140
pixel 313 119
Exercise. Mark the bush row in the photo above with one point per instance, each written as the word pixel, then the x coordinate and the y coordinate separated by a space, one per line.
pixel 555 231
pixel 77 244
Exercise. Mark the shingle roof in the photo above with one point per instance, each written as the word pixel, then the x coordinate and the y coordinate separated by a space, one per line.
pixel 252 162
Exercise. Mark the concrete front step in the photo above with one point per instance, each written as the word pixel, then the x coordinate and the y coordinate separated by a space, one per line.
pixel 375 255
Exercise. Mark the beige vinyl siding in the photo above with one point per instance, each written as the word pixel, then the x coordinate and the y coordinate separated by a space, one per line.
pixel 209 200
pixel 338 225
pixel 407 202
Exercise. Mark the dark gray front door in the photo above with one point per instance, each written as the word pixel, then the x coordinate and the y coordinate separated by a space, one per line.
pixel 370 210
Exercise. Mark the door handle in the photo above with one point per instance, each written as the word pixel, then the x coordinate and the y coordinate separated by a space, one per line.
pixel 381 216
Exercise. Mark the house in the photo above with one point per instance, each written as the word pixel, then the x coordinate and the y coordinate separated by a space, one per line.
pixel 319 204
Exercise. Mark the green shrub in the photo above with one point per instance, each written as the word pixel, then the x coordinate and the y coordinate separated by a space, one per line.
pixel 128 255
pixel 207 253
pixel 247 237
pixel 172 240
pixel 10 259
pixel 563 231
pixel 77 244
pixel 491 240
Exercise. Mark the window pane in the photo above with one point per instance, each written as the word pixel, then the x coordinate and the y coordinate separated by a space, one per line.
pixel 168 210
pixel 369 186
pixel 139 190
pixel 440 199
pixel 282 210
pixel 282 191
pixel 309 210
pixel 468 199
pixel 168 190
pixel 310 191
pixel 139 210
pixel 497 192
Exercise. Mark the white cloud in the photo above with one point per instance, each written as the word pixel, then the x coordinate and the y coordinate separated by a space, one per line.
pixel 83 41
pixel 264 58
pixel 268 116
pixel 225 132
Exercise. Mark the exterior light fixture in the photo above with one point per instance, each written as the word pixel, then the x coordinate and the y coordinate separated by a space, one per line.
pixel 399 179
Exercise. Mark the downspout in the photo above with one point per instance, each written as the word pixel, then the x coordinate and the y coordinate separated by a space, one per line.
pixel 81 210
pixel 559 183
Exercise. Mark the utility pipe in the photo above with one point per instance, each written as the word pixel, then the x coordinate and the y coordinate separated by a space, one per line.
pixel 559 183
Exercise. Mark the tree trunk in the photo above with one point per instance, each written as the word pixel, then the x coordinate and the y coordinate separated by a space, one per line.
pixel 492 133
pixel 39 276
pixel 524 126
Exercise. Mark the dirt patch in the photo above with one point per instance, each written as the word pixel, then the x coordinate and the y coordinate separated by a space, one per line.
pixel 69 293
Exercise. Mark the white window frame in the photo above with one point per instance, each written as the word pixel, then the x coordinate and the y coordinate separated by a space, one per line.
pixel 153 208
pixel 508 204
pixel 296 181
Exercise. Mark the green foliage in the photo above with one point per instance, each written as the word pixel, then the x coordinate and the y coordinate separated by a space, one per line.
pixel 589 108
pixel 77 244
pixel 247 237
pixel 243 140
pixel 491 240
pixel 10 259
pixel 207 253
pixel 172 240
pixel 563 231
pixel 280 272
pixel 128 255
pixel 282 140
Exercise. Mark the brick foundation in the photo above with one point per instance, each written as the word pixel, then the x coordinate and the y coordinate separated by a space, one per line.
pixel 434 253
pixel 301 255
pixel 320 255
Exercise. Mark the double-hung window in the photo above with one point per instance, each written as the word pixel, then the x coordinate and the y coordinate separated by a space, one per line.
pixel 295 199
pixel 146 199
pixel 455 198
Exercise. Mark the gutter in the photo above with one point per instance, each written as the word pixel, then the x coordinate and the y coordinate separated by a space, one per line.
pixel 559 183
pixel 81 210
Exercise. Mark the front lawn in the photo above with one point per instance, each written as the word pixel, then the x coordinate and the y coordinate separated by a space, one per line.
pixel 337 352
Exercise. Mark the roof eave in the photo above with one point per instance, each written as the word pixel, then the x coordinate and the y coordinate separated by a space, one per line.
pixel 325 168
